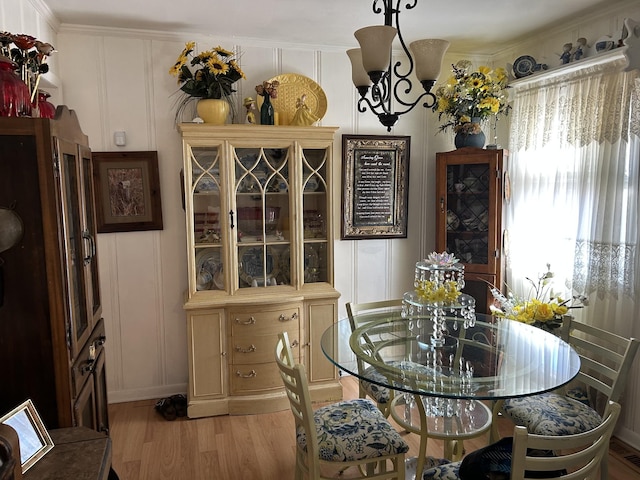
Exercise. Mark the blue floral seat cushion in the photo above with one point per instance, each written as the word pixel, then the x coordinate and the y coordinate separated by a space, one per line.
pixel 441 469
pixel 353 430
pixel 379 393
pixel 552 414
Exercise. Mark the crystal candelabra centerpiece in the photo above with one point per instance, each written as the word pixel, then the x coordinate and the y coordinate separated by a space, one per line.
pixel 439 280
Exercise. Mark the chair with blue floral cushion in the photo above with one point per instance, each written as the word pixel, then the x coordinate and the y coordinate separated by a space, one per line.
pixel 605 361
pixel 570 457
pixel 346 433
pixel 370 311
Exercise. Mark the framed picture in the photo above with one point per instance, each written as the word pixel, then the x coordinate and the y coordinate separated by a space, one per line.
pixel 375 186
pixel 34 439
pixel 127 191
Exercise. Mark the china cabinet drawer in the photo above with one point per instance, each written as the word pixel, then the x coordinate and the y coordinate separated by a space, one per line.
pixel 254 378
pixel 246 350
pixel 265 321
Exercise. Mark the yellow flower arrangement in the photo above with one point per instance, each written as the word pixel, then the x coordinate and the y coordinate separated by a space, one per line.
pixel 209 74
pixel 470 96
pixel 544 310
pixel 433 292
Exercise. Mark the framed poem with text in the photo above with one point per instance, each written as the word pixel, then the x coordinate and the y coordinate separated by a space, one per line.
pixel 375 186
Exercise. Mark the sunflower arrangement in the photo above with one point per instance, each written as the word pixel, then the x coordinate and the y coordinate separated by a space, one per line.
pixel 543 309
pixel 468 97
pixel 209 74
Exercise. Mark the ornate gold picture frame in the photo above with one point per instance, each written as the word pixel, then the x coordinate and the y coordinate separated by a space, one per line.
pixel 375 186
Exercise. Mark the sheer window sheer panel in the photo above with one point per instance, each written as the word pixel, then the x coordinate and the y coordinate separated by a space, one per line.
pixel 575 168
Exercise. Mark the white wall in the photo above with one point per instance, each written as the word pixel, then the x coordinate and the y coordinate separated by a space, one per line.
pixel 119 80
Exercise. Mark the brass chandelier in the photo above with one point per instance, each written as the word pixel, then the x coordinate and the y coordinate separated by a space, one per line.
pixel 371 66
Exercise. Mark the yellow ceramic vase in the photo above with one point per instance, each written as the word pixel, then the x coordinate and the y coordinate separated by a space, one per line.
pixel 213 110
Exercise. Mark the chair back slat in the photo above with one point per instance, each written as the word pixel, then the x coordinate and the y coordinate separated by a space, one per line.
pixel 581 454
pixel 605 357
pixel 295 383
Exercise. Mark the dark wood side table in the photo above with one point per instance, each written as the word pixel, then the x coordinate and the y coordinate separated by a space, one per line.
pixel 79 453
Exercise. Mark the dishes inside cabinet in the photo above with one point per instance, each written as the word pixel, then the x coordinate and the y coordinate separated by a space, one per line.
pixel 453 222
pixel 285 266
pixel 209 270
pixel 312 184
pixel 253 269
pixel 314 226
pixel 311 264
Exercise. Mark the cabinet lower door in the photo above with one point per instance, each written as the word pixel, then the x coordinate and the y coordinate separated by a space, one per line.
pixel 84 408
pixel 207 357
pixel 100 386
pixel 319 317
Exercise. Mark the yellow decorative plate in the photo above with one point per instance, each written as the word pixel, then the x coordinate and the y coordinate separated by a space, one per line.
pixel 292 87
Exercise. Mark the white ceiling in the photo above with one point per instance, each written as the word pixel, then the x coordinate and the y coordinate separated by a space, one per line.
pixel 479 25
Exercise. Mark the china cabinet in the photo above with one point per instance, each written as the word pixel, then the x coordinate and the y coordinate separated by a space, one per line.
pixel 52 335
pixel 470 190
pixel 258 203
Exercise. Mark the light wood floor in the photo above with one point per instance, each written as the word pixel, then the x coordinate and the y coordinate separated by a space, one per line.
pixel 247 447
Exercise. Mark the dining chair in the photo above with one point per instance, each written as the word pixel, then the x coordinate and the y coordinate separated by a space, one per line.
pixel 605 362
pixel 579 456
pixel 367 312
pixel 343 434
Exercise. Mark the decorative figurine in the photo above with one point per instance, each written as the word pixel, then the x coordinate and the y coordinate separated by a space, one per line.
pixel 303 115
pixel 250 105
pixel 578 51
pixel 566 54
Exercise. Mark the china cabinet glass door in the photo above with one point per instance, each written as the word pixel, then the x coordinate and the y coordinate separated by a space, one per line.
pixel 262 199
pixel 72 214
pixel 468 212
pixel 314 213
pixel 205 192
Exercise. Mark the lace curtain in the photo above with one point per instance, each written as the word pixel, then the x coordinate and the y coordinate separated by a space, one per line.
pixel 575 157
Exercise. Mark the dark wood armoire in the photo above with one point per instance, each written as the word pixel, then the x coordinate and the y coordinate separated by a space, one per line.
pixel 52 335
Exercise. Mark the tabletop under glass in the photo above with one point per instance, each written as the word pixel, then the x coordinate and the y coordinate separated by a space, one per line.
pixel 495 358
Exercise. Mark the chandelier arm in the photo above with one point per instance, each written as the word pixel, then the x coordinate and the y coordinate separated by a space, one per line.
pixel 431 101
pixel 398 64
pixel 377 108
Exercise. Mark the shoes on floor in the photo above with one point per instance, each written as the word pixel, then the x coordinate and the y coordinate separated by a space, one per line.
pixel 180 404
pixel 166 409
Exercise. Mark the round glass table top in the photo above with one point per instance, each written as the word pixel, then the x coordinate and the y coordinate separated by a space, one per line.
pixel 495 358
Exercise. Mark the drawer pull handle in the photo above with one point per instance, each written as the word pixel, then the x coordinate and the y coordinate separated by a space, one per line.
pixel 251 321
pixel 252 348
pixel 294 344
pixel 282 317
pixel 252 373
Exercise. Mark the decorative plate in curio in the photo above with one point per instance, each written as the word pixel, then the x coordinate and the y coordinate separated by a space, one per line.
pixel 251 265
pixel 523 66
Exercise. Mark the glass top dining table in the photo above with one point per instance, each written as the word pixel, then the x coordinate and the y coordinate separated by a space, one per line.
pixel 496 358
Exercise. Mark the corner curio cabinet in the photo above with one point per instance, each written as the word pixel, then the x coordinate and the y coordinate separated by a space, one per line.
pixel 469 200
pixel 258 203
